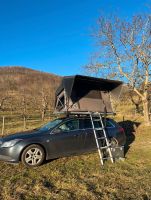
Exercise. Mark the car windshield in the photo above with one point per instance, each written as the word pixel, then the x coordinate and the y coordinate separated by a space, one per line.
pixel 50 125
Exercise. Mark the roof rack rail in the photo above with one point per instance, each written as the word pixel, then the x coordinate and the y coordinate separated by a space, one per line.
pixel 85 113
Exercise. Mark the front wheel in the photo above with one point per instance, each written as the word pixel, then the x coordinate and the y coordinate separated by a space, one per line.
pixel 33 156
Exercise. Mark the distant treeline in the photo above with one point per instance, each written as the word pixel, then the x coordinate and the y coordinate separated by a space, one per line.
pixel 24 91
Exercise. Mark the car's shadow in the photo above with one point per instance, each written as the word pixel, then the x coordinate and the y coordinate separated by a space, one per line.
pixel 130 128
pixel 49 161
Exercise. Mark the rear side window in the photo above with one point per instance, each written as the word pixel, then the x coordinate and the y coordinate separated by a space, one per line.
pixel 88 124
pixel 97 124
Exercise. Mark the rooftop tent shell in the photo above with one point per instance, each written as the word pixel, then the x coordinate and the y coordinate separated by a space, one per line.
pixel 82 93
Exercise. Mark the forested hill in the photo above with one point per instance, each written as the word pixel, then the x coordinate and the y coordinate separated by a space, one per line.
pixel 23 90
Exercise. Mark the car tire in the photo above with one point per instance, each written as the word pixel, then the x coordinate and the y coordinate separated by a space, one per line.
pixel 33 156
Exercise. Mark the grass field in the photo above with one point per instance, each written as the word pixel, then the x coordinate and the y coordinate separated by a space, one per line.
pixel 82 177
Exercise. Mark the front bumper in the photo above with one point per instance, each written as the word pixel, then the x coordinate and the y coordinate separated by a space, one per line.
pixel 8 159
pixel 10 154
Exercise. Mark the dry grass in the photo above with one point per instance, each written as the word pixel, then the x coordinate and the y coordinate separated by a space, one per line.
pixel 82 178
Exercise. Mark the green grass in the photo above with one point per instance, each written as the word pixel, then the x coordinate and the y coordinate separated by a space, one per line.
pixel 82 177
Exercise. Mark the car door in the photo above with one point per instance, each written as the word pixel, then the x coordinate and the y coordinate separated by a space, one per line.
pixel 66 139
pixel 90 142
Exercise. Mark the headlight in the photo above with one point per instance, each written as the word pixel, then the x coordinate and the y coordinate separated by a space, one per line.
pixel 10 143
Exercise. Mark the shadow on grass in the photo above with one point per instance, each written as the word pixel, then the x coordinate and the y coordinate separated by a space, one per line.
pixel 130 128
pixel 49 161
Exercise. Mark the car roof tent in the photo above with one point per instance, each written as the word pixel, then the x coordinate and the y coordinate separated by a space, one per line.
pixel 83 93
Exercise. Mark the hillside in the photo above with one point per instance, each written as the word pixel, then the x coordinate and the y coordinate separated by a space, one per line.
pixel 23 90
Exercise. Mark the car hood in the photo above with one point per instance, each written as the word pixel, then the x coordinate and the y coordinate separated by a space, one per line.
pixel 21 135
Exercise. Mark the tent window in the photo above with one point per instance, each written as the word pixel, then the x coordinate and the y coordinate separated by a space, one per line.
pixel 61 102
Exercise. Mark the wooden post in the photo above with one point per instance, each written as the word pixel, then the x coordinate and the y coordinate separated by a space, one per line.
pixel 3 126
pixel 24 122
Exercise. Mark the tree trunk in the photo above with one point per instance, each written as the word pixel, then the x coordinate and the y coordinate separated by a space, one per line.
pixel 146 112
pixel 43 115
pixel 137 108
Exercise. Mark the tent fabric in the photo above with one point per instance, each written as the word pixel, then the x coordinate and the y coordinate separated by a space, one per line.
pixel 68 82
pixel 84 93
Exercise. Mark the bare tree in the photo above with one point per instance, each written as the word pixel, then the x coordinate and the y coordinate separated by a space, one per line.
pixel 24 102
pixel 136 100
pixel 2 102
pixel 44 103
pixel 125 53
pixel 24 109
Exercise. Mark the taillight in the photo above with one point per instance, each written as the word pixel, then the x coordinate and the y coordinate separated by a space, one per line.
pixel 121 130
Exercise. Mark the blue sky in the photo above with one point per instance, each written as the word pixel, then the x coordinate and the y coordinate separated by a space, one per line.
pixel 54 36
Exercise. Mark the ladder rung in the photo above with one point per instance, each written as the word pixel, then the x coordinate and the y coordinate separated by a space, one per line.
pixel 105 147
pixel 106 158
pixel 96 120
pixel 101 138
pixel 99 129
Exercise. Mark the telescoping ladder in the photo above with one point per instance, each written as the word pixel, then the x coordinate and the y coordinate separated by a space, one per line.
pixel 102 141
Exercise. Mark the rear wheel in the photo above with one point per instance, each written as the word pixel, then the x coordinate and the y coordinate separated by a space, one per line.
pixel 33 156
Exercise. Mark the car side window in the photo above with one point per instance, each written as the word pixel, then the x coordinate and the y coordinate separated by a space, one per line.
pixel 87 123
pixel 97 124
pixel 107 124
pixel 69 125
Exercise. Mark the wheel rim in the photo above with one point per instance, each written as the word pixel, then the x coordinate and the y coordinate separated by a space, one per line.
pixel 33 156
